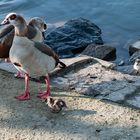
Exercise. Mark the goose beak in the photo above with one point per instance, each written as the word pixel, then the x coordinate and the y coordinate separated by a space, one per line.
pixel 4 22
pixel 43 34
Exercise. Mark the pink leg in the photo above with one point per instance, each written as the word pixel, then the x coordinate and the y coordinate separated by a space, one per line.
pixel 45 94
pixel 18 75
pixel 26 95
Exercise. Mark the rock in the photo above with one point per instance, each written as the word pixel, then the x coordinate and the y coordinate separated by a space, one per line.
pixel 8 67
pixel 126 69
pixel 124 62
pixel 121 63
pixel 135 56
pixel 104 52
pixel 120 95
pixel 89 91
pixel 60 83
pixel 106 64
pixel 73 64
pixel 135 101
pixel 73 37
pixel 134 47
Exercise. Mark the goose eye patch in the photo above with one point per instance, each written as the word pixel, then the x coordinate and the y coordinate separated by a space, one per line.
pixel 12 17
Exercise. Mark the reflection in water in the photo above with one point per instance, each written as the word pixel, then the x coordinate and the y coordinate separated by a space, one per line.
pixel 119 20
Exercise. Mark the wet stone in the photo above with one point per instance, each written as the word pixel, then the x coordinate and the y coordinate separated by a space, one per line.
pixel 104 52
pixel 73 37
pixel 134 47
pixel 135 56
pixel 121 63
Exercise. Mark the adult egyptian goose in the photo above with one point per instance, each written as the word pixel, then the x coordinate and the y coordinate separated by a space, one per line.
pixel 32 58
pixel 36 28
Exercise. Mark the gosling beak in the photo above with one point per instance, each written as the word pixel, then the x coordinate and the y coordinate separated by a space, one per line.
pixel 65 106
pixel 4 22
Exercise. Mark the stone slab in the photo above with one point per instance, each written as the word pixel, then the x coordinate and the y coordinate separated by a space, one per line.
pixel 95 78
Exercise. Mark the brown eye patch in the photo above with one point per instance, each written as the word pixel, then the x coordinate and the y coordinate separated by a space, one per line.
pixel 12 17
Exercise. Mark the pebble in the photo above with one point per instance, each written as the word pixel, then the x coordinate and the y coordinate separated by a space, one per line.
pixel 121 63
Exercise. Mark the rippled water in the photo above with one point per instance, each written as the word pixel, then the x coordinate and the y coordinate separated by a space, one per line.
pixel 119 20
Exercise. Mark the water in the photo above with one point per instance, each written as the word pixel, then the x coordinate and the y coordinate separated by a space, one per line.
pixel 119 20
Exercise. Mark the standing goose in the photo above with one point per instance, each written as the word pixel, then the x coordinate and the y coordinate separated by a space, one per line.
pixel 36 28
pixel 32 58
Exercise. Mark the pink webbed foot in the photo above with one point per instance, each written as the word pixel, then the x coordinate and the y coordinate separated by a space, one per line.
pixel 43 95
pixel 23 97
pixel 19 75
pixel 26 95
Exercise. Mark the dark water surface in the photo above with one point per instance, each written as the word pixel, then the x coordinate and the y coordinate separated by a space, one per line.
pixel 119 20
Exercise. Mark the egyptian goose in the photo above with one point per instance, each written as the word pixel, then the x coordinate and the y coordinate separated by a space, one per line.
pixel 32 58
pixel 36 28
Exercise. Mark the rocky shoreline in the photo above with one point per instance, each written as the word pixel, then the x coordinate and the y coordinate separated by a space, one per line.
pixel 103 98
pixel 95 78
pixel 88 73
pixel 102 103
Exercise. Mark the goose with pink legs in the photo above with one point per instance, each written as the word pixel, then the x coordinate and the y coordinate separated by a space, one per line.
pixel 30 57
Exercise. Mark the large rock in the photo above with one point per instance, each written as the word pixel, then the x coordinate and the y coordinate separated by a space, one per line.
pixel 134 47
pixel 104 52
pixel 73 37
